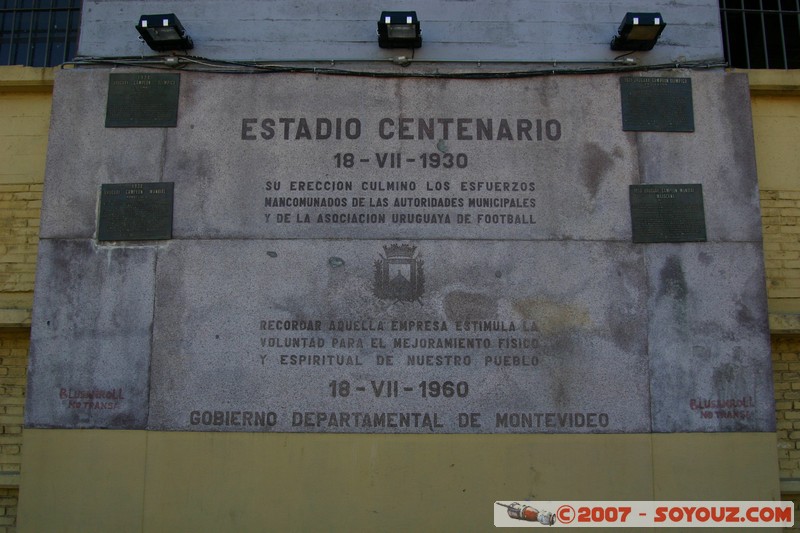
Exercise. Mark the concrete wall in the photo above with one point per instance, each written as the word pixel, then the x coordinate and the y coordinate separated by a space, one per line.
pixel 509 30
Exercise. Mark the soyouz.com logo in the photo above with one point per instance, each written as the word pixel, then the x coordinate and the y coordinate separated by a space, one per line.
pixel 682 514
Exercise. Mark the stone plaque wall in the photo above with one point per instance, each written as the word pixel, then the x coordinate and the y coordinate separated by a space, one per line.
pixel 401 256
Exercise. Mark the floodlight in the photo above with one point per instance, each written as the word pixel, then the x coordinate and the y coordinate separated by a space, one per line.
pixel 638 32
pixel 399 29
pixel 164 32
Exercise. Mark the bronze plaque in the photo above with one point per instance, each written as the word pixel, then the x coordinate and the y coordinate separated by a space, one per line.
pixel 142 100
pixel 135 212
pixel 668 213
pixel 657 104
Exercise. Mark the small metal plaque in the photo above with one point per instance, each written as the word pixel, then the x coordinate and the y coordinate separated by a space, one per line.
pixel 668 213
pixel 657 104
pixel 142 100
pixel 135 212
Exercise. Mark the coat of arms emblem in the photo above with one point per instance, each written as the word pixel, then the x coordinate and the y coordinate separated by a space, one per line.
pixel 399 275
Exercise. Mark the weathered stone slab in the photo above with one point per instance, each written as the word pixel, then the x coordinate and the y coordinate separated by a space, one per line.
pixel 82 154
pixel 570 184
pixel 708 338
pixel 90 340
pixel 406 158
pixel 719 155
pixel 512 337
pixel 324 227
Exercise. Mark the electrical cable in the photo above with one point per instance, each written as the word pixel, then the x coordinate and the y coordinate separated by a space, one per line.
pixel 206 65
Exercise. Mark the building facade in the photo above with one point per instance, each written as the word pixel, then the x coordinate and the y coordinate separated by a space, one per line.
pixel 142 479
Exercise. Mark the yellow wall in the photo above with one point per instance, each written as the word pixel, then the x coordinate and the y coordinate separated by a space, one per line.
pixel 13 361
pixel 157 481
pixel 25 99
pixel 786 371
pixel 776 127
